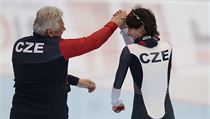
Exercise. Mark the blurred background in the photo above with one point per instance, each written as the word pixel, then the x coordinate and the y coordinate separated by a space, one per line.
pixel 185 23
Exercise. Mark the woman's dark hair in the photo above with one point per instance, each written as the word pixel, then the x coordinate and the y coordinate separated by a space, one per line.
pixel 139 16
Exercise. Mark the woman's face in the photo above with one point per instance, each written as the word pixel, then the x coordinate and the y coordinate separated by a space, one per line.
pixel 136 33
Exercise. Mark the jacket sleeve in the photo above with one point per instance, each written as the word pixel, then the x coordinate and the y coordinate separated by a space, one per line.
pixel 75 47
pixel 72 80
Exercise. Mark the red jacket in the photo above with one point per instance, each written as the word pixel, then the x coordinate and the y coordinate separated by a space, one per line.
pixel 74 47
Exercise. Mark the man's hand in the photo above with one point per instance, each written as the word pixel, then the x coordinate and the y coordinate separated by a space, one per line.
pixel 86 83
pixel 119 17
pixel 123 25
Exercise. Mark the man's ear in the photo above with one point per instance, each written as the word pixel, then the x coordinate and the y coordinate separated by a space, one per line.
pixel 49 33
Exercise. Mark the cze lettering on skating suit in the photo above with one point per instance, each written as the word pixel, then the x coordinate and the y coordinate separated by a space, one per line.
pixel 29 47
pixel 153 57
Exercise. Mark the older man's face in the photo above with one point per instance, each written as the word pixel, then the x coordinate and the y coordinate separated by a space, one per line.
pixel 61 28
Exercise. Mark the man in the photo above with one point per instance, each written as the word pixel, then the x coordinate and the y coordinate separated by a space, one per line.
pixel 149 61
pixel 40 64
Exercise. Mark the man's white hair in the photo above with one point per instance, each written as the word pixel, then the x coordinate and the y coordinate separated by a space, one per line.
pixel 47 18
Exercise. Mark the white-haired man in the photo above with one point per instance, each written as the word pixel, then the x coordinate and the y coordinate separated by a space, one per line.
pixel 40 64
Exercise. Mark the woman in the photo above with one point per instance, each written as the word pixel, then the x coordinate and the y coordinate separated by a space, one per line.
pixel 149 60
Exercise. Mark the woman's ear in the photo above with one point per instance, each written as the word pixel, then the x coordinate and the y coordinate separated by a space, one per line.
pixel 142 30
